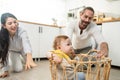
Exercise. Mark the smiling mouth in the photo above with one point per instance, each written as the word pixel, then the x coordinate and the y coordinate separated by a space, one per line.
pixel 85 23
pixel 13 29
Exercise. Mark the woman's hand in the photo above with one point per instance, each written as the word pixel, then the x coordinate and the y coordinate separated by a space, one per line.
pixel 29 62
pixel 5 74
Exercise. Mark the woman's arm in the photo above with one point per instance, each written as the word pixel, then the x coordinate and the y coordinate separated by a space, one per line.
pixel 27 49
pixel 29 61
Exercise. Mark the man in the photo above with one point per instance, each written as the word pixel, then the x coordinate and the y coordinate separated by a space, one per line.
pixel 82 31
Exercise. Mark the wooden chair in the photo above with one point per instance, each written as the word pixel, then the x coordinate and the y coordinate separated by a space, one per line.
pixel 100 71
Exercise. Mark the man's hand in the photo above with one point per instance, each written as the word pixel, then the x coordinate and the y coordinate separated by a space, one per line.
pixel 100 54
pixel 104 49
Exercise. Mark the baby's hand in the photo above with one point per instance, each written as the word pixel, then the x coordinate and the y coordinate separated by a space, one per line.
pixel 57 59
pixel 73 54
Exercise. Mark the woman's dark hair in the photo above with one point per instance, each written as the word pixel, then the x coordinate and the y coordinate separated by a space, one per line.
pixel 4 45
pixel 4 38
pixel 5 16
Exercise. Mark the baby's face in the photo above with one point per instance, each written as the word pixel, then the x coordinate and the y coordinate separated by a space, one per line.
pixel 66 46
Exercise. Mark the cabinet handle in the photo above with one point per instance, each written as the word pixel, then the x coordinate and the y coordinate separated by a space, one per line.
pixel 39 30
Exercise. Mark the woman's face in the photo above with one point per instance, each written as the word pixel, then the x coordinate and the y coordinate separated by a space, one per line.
pixel 11 25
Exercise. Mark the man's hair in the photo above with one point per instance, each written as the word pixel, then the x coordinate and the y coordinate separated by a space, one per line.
pixel 88 8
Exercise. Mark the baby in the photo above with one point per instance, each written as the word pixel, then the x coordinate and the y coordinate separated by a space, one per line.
pixel 63 54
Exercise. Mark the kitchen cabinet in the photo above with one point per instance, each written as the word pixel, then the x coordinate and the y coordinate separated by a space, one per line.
pixel 33 34
pixel 111 33
pixel 41 38
pixel 47 35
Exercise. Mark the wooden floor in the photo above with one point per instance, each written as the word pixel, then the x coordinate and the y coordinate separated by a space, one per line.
pixel 41 72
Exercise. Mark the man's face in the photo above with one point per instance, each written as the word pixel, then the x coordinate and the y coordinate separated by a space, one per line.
pixel 86 18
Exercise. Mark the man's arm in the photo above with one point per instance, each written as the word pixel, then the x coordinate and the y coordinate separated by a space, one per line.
pixel 69 29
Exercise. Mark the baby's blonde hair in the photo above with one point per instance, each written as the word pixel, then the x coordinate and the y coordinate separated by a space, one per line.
pixel 58 40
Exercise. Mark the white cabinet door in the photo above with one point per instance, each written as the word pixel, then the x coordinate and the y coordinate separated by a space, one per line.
pixel 41 38
pixel 34 37
pixel 111 32
pixel 47 35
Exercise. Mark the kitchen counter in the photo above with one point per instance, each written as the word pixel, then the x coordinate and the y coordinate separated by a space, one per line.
pixel 97 22
pixel 108 20
pixel 41 24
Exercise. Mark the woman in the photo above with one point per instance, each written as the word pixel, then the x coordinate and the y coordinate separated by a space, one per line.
pixel 14 44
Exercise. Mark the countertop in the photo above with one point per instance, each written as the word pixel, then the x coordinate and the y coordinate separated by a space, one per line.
pixel 50 25
pixel 97 22
pixel 108 20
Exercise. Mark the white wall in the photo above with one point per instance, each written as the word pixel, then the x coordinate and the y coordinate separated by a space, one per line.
pixel 41 11
pixel 107 6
